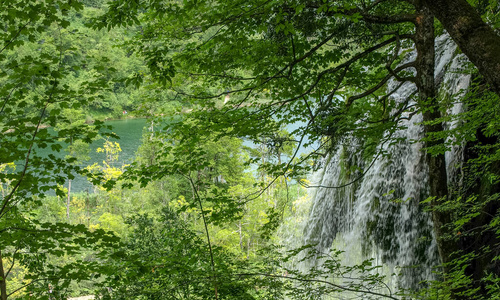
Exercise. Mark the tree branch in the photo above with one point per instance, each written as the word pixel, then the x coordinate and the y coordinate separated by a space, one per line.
pixel 372 90
pixel 340 287
pixel 206 231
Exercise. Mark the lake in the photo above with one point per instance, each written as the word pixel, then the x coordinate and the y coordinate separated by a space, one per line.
pixel 130 132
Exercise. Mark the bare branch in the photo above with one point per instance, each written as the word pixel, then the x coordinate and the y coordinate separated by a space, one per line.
pixel 372 90
pixel 357 178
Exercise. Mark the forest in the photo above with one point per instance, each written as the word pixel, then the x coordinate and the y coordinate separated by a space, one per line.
pixel 249 149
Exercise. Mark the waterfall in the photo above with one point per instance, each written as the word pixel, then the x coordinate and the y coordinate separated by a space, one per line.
pixel 380 216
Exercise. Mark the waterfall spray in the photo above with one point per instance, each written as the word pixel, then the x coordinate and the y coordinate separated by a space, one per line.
pixel 380 216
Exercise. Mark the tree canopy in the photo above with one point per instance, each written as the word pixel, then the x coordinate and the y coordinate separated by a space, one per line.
pixel 323 64
pixel 216 79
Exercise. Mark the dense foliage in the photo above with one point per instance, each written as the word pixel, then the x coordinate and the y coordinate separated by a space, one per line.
pixel 234 91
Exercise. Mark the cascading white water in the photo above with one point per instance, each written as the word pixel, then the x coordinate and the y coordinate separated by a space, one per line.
pixel 380 215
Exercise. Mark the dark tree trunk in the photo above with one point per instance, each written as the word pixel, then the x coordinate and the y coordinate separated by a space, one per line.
pixel 438 183
pixel 482 46
pixel 3 282
pixel 473 36
pixel 478 238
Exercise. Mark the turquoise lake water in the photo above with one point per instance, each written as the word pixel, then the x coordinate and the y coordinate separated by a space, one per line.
pixel 130 132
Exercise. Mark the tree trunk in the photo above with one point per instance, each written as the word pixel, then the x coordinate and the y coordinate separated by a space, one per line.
pixel 473 36
pixel 3 282
pixel 479 238
pixel 241 235
pixel 249 243
pixel 481 45
pixel 68 200
pixel 438 183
